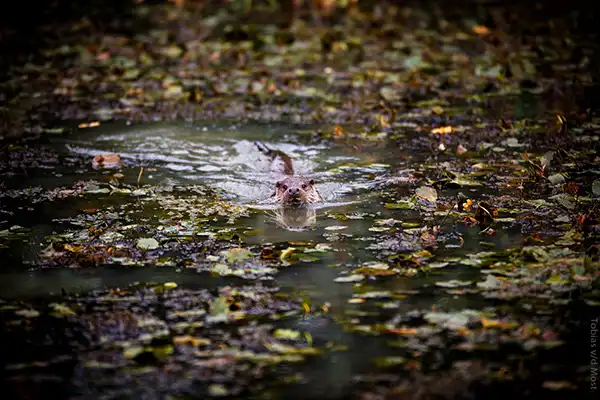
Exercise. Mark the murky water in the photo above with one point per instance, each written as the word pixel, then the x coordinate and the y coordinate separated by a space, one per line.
pixel 224 157
pixel 355 183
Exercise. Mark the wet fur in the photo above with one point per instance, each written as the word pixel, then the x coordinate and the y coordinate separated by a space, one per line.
pixel 277 156
pixel 296 191
pixel 292 191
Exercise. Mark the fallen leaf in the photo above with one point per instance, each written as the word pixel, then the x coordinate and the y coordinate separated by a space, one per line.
pixel 147 243
pixel 443 130
pixel 427 193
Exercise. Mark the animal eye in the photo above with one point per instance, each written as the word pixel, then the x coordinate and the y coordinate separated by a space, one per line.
pixel 284 187
pixel 304 186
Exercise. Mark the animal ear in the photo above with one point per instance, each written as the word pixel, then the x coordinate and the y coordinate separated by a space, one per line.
pixel 278 184
pixel 312 181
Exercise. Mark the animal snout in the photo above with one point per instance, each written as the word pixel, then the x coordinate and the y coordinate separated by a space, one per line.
pixel 293 191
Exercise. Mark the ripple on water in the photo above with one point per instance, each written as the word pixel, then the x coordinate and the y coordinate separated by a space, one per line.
pixel 222 157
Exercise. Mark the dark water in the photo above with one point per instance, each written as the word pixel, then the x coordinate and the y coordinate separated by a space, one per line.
pixel 223 156
pixel 356 183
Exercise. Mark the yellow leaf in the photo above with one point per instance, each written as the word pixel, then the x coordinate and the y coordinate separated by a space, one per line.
pixel 194 341
pixel 437 110
pixel 383 121
pixel 404 331
pixel 481 30
pixel 494 323
pixel 72 248
pixel 286 253
pixel 356 300
pixel 442 130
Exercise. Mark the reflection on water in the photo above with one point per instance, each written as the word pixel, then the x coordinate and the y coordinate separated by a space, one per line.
pixel 295 219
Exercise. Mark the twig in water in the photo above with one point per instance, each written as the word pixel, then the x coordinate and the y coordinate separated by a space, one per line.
pixel 140 176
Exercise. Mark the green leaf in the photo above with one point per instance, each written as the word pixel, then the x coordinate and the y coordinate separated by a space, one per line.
pixel 147 243
pixel 237 254
pixel 491 282
pixel 596 187
pixel 427 193
pixel 564 200
pixel 557 179
pixel 288 334
pixel 389 93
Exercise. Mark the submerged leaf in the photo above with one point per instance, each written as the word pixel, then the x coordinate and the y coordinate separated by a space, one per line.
pixel 596 187
pixel 237 254
pixel 427 193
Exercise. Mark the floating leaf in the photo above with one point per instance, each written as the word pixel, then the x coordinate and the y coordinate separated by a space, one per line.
pixel 335 228
pixel 379 229
pixel 222 269
pixel 494 323
pixel 405 205
pixel 391 361
pixel 389 93
pixel 133 352
pixel 556 280
pixel 427 193
pixel 444 130
pixel 194 341
pixel 536 253
pixel 62 310
pixel 557 179
pixel 436 265
pixel 28 313
pixel 481 30
pixel 220 307
pixel 512 142
pixel 287 253
pixel 147 243
pixel 131 74
pixel 173 91
pixel 453 283
pixel 350 278
pixel 596 187
pixel 455 321
pixel 172 51
pixel 237 254
pixel 491 282
pixel 564 200
pixel 288 334
pixel 415 62
pixel 217 390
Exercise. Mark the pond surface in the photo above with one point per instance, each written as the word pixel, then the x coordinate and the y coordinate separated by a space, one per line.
pixel 379 285
pixel 355 184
